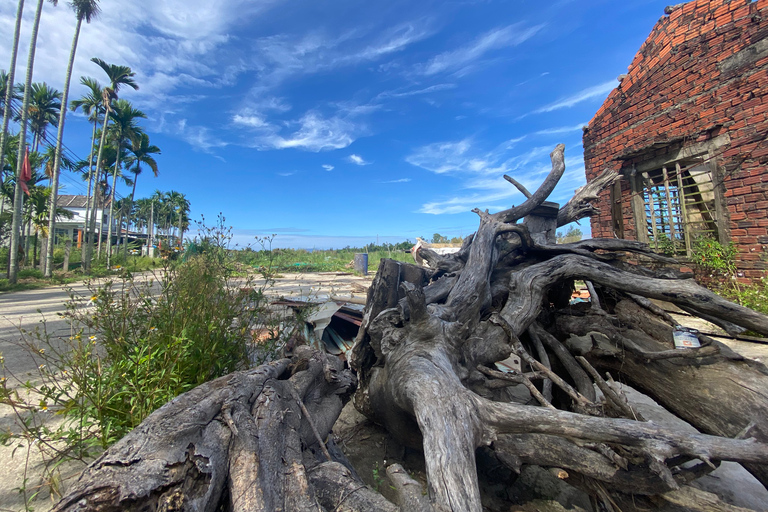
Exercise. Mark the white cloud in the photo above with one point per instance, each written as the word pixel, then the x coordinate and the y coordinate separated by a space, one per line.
pixel 415 92
pixel 401 180
pixel 482 173
pixel 503 37
pixel 597 91
pixel 562 129
pixel 357 160
pixel 315 133
pixel 252 121
pixel 278 58
pixel 328 167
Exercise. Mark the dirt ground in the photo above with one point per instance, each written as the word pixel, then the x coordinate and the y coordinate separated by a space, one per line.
pixel 368 447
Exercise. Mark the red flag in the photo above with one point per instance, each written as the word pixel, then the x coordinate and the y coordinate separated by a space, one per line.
pixel 26 173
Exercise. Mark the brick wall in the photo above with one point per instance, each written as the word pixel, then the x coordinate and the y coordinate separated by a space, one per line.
pixel 702 72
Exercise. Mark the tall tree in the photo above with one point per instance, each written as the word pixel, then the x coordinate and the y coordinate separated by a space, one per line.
pixel 6 89
pixel 13 271
pixel 8 92
pixel 141 154
pixel 119 76
pixel 179 206
pixel 84 10
pixel 92 106
pixel 124 130
pixel 44 109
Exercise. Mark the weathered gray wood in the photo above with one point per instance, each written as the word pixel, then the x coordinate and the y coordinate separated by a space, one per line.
pixel 579 206
pixel 244 432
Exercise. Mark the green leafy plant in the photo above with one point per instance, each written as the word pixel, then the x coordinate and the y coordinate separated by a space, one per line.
pixel 136 342
pixel 713 257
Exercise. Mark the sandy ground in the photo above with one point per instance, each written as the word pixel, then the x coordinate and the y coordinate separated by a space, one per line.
pixel 369 448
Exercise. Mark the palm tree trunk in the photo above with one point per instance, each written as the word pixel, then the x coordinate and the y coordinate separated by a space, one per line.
pixel 9 86
pixel 57 157
pixel 86 221
pixel 112 204
pixel 18 199
pixel 89 247
pixel 128 222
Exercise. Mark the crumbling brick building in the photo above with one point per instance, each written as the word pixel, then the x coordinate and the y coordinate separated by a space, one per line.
pixel 687 128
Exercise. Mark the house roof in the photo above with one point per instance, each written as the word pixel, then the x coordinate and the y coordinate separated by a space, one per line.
pixel 67 201
pixel 74 201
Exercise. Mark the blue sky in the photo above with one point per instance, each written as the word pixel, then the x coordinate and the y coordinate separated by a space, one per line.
pixel 332 123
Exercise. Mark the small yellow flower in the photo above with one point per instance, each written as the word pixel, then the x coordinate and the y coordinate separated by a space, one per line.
pixel 44 408
pixel 41 367
pixel 93 299
pixel 92 338
pixel 42 351
pixel 153 328
pixel 2 380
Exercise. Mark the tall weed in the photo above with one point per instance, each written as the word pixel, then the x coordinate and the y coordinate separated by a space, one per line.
pixel 136 342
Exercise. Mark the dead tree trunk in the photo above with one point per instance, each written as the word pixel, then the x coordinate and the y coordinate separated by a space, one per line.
pixel 425 361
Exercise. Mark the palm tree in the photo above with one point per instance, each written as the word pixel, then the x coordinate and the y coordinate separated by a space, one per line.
pixel 84 10
pixel 13 271
pixel 141 153
pixel 6 89
pixel 118 76
pixel 91 104
pixel 8 92
pixel 124 130
pixel 44 108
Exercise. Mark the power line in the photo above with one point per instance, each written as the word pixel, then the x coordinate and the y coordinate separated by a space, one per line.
pixel 66 152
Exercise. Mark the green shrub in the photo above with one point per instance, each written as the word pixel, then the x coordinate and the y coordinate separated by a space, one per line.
pixel 138 342
pixel 714 258
pixel 27 273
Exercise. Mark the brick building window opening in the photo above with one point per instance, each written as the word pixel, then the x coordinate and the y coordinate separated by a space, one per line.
pixel 679 206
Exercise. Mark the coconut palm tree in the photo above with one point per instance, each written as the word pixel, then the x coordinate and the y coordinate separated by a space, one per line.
pixel 119 76
pixel 84 10
pixel 8 92
pixel 43 110
pixel 91 105
pixel 124 130
pixel 13 271
pixel 141 153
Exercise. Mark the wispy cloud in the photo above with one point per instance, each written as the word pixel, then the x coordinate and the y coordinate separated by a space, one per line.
pixel 401 180
pixel 562 129
pixel 597 91
pixel 495 39
pixel 415 92
pixel 482 172
pixel 357 160
pixel 328 167
pixel 286 174
pixel 314 132
pixel 279 58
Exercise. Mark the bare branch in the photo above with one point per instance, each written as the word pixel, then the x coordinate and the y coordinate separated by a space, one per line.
pixel 558 168
pixel 579 205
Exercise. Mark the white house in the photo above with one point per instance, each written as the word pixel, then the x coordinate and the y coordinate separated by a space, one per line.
pixel 73 228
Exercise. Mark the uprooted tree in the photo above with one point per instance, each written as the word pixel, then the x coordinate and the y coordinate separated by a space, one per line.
pixel 424 369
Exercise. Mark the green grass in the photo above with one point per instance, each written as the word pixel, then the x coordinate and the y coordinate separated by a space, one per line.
pixel 299 260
